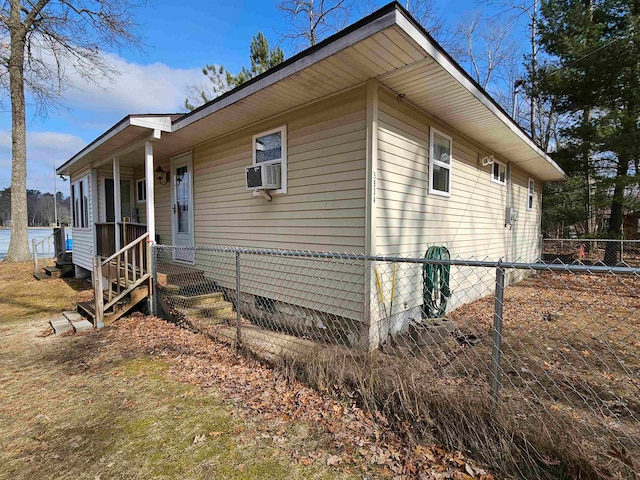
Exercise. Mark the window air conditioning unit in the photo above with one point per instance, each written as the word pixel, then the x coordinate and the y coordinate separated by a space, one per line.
pixel 488 160
pixel 264 177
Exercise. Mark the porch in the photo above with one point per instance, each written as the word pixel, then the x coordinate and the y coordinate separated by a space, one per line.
pixel 117 204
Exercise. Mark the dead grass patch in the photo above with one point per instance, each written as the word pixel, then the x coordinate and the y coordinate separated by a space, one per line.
pixel 100 406
pixel 23 297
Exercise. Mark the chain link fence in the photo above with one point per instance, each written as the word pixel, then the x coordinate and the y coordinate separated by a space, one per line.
pixel 592 251
pixel 532 367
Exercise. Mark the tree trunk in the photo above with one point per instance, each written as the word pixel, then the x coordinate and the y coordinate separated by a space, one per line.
pixel 615 220
pixel 19 243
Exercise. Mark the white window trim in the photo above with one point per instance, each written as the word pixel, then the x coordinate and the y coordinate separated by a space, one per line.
pixel 85 179
pixel 432 161
pixel 144 190
pixel 282 160
pixel 531 194
pixel 497 180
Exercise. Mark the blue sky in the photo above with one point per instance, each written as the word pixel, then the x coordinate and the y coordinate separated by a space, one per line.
pixel 178 42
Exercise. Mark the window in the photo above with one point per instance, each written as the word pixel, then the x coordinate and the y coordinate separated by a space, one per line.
pixel 270 147
pixel 126 209
pixel 531 190
pixel 499 172
pixel 440 163
pixel 80 199
pixel 141 190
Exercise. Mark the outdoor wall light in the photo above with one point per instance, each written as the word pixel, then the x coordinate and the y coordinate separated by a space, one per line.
pixel 161 175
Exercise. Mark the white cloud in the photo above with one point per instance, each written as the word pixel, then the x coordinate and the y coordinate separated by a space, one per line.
pixel 138 88
pixel 92 108
pixel 44 149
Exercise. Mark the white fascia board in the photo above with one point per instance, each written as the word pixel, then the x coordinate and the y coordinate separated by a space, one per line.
pixel 157 123
pixel 117 128
pixel 332 48
pixel 416 35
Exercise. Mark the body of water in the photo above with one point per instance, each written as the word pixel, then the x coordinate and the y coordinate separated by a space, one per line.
pixel 37 233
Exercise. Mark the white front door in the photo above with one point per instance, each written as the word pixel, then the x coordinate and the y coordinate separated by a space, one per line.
pixel 182 207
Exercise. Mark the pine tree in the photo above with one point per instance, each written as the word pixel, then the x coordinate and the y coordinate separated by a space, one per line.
pixel 219 80
pixel 596 80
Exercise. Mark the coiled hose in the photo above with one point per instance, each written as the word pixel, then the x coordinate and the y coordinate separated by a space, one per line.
pixel 435 283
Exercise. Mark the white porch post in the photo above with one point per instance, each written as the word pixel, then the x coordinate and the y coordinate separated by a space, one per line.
pixel 149 180
pixel 117 202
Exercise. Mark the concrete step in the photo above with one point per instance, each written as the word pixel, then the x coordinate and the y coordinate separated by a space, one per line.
pixel 72 316
pixel 204 300
pixel 60 325
pixel 70 321
pixel 81 325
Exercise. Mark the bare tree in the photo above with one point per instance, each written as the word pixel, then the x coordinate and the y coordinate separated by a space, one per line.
pixel 313 20
pixel 427 14
pixel 485 46
pixel 47 40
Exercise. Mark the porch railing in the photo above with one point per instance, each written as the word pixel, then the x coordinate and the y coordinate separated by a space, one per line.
pixel 105 239
pixel 42 250
pixel 117 275
pixel 106 235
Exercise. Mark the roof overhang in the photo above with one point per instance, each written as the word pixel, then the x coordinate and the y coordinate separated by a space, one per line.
pixel 388 45
pixel 124 135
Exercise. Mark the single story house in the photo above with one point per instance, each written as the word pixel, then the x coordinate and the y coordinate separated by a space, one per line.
pixel 373 141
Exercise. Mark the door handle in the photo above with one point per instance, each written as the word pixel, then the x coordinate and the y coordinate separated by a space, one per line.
pixel 174 208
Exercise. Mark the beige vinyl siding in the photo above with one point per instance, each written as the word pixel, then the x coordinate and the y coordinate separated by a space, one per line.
pixel 324 208
pixel 83 248
pixel 525 240
pixel 470 223
pixel 162 197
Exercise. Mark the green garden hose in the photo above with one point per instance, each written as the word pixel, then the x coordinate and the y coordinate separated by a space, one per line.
pixel 435 283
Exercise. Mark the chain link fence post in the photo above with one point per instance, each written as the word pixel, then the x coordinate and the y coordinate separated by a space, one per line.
pixel 541 257
pixel 238 314
pixel 496 350
pixel 153 270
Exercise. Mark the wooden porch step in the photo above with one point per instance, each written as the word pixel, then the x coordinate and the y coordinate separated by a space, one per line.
pixel 86 309
pixel 191 287
pixel 179 274
pixel 198 314
pixel 138 294
pixel 53 272
pixel 41 276
pixel 204 300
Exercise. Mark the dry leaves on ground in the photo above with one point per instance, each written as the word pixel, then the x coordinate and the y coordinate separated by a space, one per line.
pixel 359 439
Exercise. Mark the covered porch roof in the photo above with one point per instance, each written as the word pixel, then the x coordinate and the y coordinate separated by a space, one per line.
pixel 388 45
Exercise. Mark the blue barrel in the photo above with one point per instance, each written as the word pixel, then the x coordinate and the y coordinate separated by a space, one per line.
pixel 69 244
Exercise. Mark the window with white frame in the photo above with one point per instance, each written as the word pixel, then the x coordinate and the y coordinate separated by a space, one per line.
pixel 141 190
pixel 270 147
pixel 80 202
pixel 531 190
pixel 499 172
pixel 440 147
